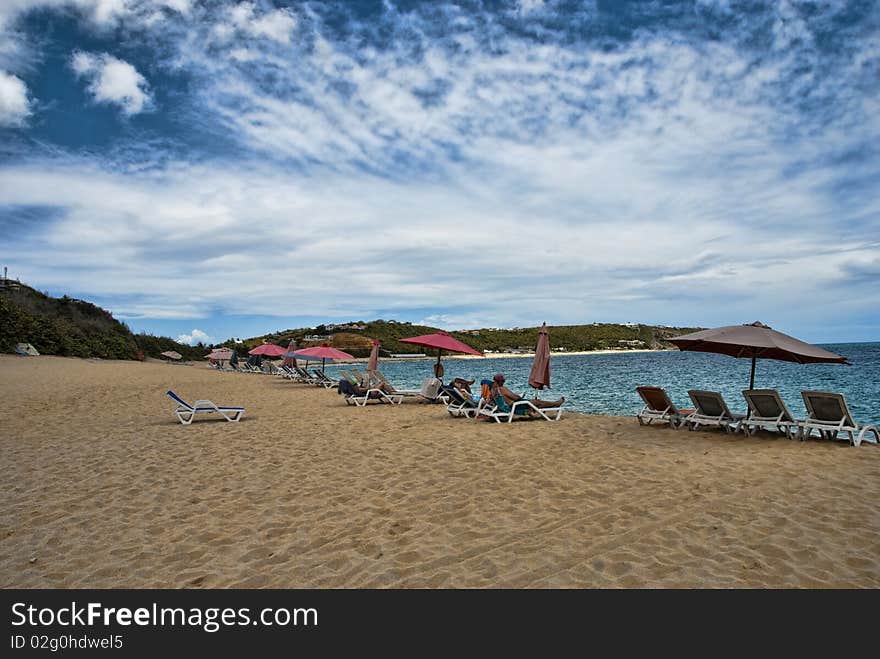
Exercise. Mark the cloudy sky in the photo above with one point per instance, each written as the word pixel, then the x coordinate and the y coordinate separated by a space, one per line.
pixel 221 169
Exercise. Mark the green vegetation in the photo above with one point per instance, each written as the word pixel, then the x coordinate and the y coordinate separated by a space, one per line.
pixel 66 326
pixel 74 328
pixel 596 336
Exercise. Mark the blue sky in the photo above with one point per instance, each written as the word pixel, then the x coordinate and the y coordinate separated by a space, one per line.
pixel 236 168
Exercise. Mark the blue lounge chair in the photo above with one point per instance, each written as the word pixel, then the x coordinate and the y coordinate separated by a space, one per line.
pixel 186 413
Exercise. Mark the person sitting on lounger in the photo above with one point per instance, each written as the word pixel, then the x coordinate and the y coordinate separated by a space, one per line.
pixel 499 390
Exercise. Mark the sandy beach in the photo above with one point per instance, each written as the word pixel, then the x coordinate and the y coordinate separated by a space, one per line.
pixel 103 488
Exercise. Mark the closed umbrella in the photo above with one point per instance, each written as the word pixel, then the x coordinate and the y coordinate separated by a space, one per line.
pixel 442 341
pixel 756 341
pixel 539 377
pixel 290 358
pixel 373 364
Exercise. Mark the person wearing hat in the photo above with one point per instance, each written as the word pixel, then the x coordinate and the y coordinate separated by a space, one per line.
pixel 498 389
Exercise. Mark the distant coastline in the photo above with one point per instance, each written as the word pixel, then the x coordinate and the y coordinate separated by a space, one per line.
pixel 505 355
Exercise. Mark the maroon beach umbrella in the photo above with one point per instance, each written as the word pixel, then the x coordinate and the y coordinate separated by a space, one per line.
pixel 756 341
pixel 539 377
pixel 268 350
pixel 442 341
pixel 322 352
pixel 374 356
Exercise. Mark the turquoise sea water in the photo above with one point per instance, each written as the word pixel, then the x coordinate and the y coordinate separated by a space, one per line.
pixel 605 384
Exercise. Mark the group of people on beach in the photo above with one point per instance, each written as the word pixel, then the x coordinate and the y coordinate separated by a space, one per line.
pixel 497 390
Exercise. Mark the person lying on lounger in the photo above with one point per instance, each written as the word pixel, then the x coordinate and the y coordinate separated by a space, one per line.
pixel 498 389
pixel 462 385
pixel 349 389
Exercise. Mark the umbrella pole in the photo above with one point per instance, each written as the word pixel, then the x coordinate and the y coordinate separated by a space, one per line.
pixel 752 376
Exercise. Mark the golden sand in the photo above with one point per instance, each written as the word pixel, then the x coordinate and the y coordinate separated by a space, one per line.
pixel 101 487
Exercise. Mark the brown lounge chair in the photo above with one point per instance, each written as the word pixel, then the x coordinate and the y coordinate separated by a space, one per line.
pixel 768 410
pixel 711 411
pixel 658 407
pixel 828 413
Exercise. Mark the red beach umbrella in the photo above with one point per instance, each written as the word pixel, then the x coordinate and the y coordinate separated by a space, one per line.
pixel 268 350
pixel 539 377
pixel 374 356
pixel 322 352
pixel 442 341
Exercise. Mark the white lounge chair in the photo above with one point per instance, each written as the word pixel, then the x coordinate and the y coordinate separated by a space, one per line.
pixel 520 409
pixel 303 376
pixel 659 407
pixel 768 410
pixel 186 413
pixel 430 390
pixel 460 404
pixel 322 379
pixel 828 413
pixel 712 411
pixel 375 395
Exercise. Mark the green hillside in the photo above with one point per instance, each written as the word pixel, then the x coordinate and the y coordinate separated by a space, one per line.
pixel 73 328
pixel 595 336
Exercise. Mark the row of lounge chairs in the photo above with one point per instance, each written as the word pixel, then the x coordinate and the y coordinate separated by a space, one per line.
pixel 244 367
pixel 827 414
pixel 376 387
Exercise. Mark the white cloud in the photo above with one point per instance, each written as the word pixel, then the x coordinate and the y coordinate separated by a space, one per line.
pixel 111 80
pixel 275 25
pixel 482 177
pixel 529 6
pixel 194 337
pixel 100 13
pixel 14 104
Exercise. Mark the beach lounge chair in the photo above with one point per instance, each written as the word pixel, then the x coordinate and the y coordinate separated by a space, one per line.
pixel 460 404
pixel 288 372
pixel 430 390
pixel 522 409
pixel 350 377
pixel 712 411
pixel 659 407
pixel 374 394
pixel 828 413
pixel 375 374
pixel 186 413
pixel 303 376
pixel 768 410
pixel 323 380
